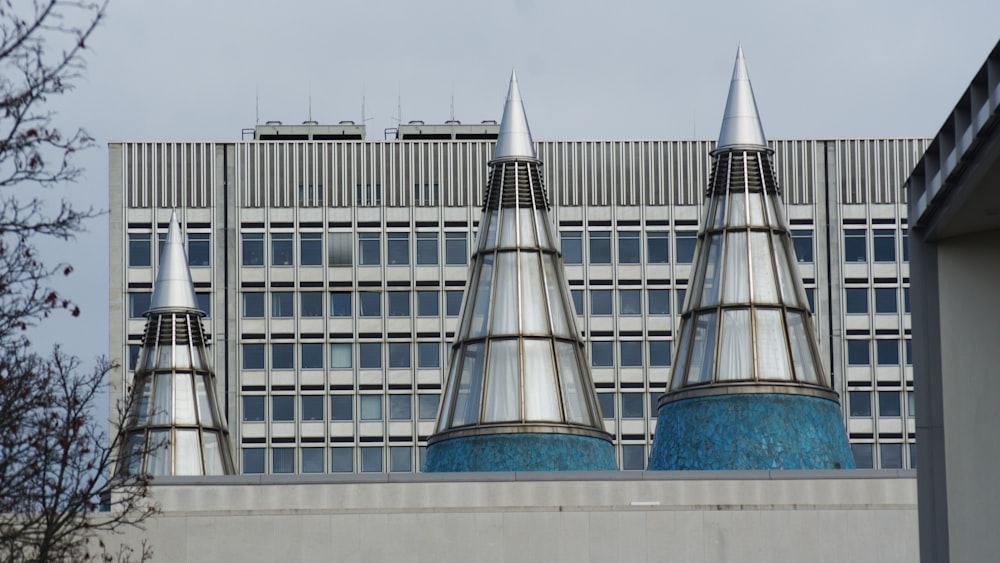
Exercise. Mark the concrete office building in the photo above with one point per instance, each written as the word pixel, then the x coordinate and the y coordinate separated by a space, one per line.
pixel 332 272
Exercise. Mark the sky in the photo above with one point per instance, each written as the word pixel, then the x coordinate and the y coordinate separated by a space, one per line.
pixel 202 71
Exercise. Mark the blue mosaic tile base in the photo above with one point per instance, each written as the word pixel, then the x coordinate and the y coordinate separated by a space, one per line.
pixel 751 431
pixel 521 452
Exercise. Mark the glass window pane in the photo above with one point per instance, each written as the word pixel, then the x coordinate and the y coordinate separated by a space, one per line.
pixel 312 355
pixel 863 457
pixel 400 407
pixel 658 301
pixel 659 353
pixel 884 245
pixel 633 457
pixel 340 355
pixel 632 405
pixel 887 352
pixel 802 241
pixel 600 247
pixel 427 405
pixel 889 404
pixel 891 456
pixel 369 303
pixel 702 362
pixel 282 253
pixel 855 244
pixel 253 460
pixel 428 303
pixel 453 302
pixel 400 459
pixel 312 460
pixel 428 355
pixel 600 302
pixel 340 304
pixel 311 250
pixel 657 247
pixel 629 302
pixel 341 408
pixel 339 251
pixel 282 355
pixel 858 352
pixel 427 249
pixel 199 249
pixel 253 408
pixel 371 460
pixel 282 408
pixel 368 249
pixel 602 353
pixel 397 249
pixel 399 303
pixel 253 356
pixel 371 407
pixel 577 296
pixel 140 250
pixel 282 304
pixel 311 304
pixel 503 391
pixel 399 354
pixel 572 247
pixel 772 361
pixel 685 241
pixel 856 300
pixel 283 460
pixel 607 404
pixel 370 355
pixel 860 403
pixel 253 249
pixel 312 407
pixel 631 353
pixel 341 460
pixel 628 247
pixel 541 394
pixel 138 303
pixel 885 300
pixel 456 251
pixel 253 305
pixel 735 356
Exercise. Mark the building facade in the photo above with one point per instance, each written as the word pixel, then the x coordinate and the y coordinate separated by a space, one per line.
pixel 333 271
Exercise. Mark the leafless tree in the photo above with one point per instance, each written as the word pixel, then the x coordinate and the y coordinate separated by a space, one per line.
pixel 56 461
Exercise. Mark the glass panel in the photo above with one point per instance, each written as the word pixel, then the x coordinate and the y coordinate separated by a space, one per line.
pixel 542 226
pixel 508 231
pixel 188 452
pixel 481 309
pixel 720 210
pixel 703 351
pixel 802 357
pixel 213 454
pixel 772 355
pixel 526 218
pixel 470 386
pixel 555 296
pixel 735 357
pixel 204 405
pixel 534 314
pixel 737 289
pixel 785 278
pixel 574 393
pixel 489 241
pixel 541 397
pixel 503 388
pixel 451 393
pixel 755 206
pixel 680 367
pixel 505 305
pixel 162 399
pixel 764 289
pixel 713 272
pixel 142 407
pixel 166 356
pixel 737 210
pixel 158 461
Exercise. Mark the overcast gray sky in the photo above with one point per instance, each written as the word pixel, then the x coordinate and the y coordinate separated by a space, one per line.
pixel 196 70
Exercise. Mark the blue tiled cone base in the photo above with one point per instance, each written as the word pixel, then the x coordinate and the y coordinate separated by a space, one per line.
pixel 751 431
pixel 521 452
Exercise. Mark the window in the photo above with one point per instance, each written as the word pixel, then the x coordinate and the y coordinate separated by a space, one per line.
pixel 884 243
pixel 912 447
pixel 282 304
pixel 908 351
pixel 341 460
pixel 398 249
pixel 312 407
pixel 283 460
pixel 600 302
pixel 341 407
pixel 629 302
pixel 904 234
pixel 204 303
pixel 455 251
pixel 857 352
pixel 399 303
pixel 428 303
pixel 133 355
pixel 607 404
pixel 199 249
pixel 572 247
pixel 371 407
pixel 427 249
pixel 600 247
pixel 399 355
pixel 369 304
pixel 312 460
pixel 659 353
pixel 253 356
pixel 312 355
pixel 888 403
pixel 311 304
pixel 139 250
pixel 681 294
pixel 856 300
pixel 138 303
pixel 906 300
pixel 861 403
pixel 602 353
pixel 453 302
pixel 658 301
pixel 339 249
pixel 685 241
pixel 891 456
pixel 854 245
pixel 253 249
pixel 911 408
pixel 632 405
pixel 368 249
pixel 371 460
pixel 428 355
pixel 811 298
pixel 657 247
pixel 628 247
pixel 427 406
pixel 340 304
pixel 631 353
pixel 253 460
pixel 282 355
pixel 370 355
pixel 282 253
pixel 311 252
pixel 340 355
pixel 400 459
pixel 802 242
pixel 885 300
pixel 862 455
pixel 887 352
pixel 577 296
pixel 253 408
pixel 400 407
pixel 633 457
pixel 282 407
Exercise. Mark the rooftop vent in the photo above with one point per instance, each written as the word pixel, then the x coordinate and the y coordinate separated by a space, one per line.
pixel 274 122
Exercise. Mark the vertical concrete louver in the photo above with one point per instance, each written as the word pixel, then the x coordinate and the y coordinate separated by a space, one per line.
pixel 748 389
pixel 175 425
pixel 519 395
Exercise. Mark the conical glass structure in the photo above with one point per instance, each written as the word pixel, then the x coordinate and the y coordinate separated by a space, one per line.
pixel 175 425
pixel 519 395
pixel 748 389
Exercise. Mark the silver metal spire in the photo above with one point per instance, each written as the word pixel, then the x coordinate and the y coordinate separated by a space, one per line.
pixel 174 290
pixel 741 123
pixel 514 138
pixel 175 425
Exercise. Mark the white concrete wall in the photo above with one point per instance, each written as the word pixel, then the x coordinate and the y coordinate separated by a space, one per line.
pixel 634 517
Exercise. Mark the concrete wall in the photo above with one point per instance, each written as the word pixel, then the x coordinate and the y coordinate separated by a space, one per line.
pixel 627 516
